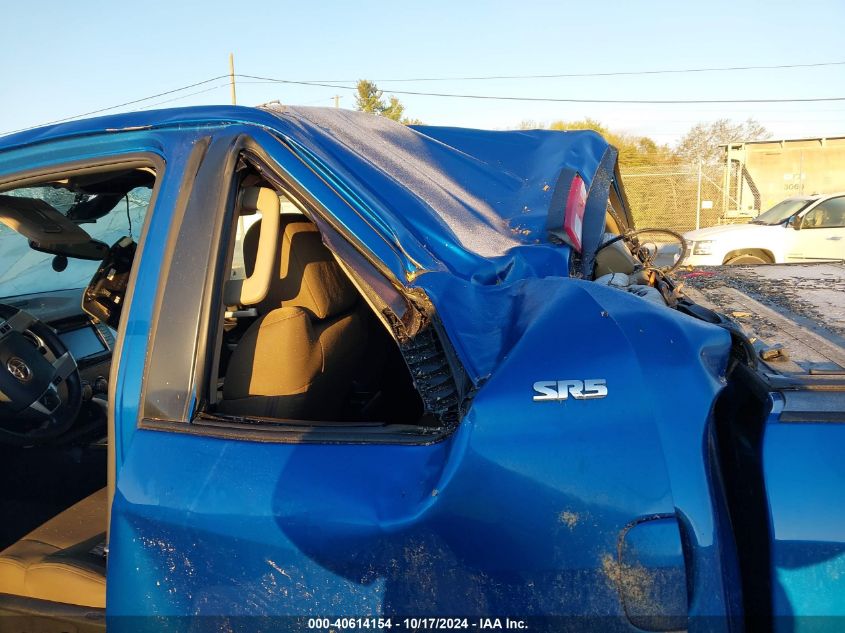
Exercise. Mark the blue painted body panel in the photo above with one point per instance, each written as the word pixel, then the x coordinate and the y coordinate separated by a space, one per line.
pixel 655 544
pixel 520 510
pixel 804 467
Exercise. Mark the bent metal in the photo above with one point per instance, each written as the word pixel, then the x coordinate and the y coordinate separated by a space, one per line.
pixel 562 389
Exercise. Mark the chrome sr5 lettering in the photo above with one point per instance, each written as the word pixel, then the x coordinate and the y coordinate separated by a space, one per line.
pixel 564 389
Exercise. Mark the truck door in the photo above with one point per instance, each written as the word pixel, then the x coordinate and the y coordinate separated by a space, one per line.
pixel 822 232
pixel 803 457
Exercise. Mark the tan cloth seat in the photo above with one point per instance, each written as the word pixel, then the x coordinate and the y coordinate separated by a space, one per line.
pixel 58 561
pixel 299 359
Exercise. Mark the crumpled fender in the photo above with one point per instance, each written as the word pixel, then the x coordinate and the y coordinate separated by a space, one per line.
pixel 663 372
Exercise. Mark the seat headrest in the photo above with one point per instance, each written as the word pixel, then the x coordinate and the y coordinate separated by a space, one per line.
pixel 308 276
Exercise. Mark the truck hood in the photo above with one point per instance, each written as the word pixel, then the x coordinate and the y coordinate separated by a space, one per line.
pixel 732 231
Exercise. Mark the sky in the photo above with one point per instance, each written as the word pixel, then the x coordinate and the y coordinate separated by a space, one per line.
pixel 65 58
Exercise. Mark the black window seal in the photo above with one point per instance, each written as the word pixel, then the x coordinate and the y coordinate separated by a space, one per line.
pixel 161 396
pixel 81 167
pixel 299 431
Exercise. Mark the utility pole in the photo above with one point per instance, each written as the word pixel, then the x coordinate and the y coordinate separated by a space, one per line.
pixel 698 200
pixel 232 76
pixel 337 101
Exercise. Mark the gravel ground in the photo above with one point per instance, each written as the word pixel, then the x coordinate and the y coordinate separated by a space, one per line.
pixel 811 294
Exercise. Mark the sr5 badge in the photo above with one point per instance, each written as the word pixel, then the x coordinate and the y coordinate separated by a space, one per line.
pixel 564 389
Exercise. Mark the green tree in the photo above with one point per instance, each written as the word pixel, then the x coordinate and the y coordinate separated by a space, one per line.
pixel 530 124
pixel 393 109
pixel 701 143
pixel 584 124
pixel 369 98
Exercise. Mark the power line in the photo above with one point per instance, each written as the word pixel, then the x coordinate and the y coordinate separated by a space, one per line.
pixel 187 96
pixel 335 86
pixel 119 105
pixel 666 71
pixel 549 99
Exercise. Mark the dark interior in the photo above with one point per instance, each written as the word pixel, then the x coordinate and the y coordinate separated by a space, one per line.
pixel 739 422
pixel 315 351
pixel 42 481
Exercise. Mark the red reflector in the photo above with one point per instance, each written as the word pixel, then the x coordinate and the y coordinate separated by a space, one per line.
pixel 573 219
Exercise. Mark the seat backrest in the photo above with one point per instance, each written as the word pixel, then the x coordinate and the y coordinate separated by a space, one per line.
pixel 299 358
pixel 309 277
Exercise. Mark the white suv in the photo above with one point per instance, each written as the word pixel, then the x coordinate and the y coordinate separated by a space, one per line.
pixel 800 229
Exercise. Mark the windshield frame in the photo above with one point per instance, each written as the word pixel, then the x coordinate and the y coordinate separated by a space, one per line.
pixel 803 204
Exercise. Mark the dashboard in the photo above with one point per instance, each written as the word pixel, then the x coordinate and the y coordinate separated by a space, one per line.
pixel 51 307
pixel 89 342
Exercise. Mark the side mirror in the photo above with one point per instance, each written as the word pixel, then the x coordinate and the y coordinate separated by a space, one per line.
pixel 794 222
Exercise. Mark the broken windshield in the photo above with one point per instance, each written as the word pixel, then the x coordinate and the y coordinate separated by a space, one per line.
pixel 24 270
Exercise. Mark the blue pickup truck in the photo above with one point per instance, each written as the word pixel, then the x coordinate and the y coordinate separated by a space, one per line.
pixel 301 368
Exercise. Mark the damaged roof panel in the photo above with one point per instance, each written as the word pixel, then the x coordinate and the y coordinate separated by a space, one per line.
pixel 469 197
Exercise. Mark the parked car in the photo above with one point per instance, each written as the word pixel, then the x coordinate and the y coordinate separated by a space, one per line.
pixel 437 378
pixel 798 229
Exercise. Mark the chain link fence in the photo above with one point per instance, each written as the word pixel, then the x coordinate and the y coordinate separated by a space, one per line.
pixel 677 197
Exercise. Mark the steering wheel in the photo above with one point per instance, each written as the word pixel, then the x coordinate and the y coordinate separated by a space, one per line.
pixel 40 388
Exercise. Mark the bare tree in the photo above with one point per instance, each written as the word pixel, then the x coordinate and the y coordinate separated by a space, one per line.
pixel 701 143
